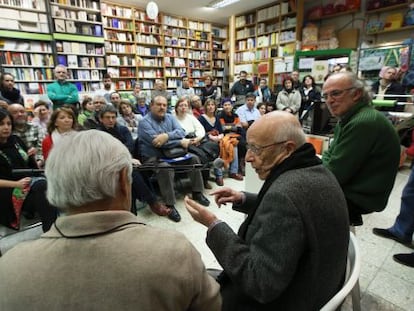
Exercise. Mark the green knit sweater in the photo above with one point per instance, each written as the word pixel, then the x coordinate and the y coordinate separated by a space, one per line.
pixel 364 157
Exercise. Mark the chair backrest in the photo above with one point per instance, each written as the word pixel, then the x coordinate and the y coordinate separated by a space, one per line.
pixel 353 268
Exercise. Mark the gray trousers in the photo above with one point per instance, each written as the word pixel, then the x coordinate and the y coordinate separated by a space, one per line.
pixel 165 179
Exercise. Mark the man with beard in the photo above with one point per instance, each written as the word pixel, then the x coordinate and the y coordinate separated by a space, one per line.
pixel 8 92
pixel 241 88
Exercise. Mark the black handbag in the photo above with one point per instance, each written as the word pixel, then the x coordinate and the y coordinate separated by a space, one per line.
pixel 174 152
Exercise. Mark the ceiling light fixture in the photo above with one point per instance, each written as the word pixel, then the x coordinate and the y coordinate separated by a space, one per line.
pixel 221 3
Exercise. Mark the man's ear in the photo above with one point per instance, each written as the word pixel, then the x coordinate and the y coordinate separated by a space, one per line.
pixel 125 186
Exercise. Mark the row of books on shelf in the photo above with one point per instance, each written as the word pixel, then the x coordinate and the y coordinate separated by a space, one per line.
pixel 150 73
pixel 218 63
pixel 79 48
pixel 117 23
pixel 219 32
pixel 199 44
pixel 218 73
pixel 152 62
pixel 147 84
pixel 174 52
pixel 199 55
pixel 93 74
pixel 172 21
pixel 116 35
pixel 217 45
pixel 142 16
pixel 175 41
pixel 247 56
pixel 125 72
pixel 119 47
pixel 23 21
pixel 32 88
pixel 26 4
pixel 115 10
pixel 246 32
pixel 124 84
pixel 286 36
pixel 75 15
pixel 245 19
pixel 219 54
pixel 148 39
pixel 150 51
pixel 175 72
pixel 268 13
pixel 148 28
pixel 74 61
pixel 265 53
pixel 26 46
pixel 69 26
pixel 195 73
pixel 202 64
pixel 246 44
pixel 174 62
pixel 117 60
pixel 198 35
pixel 172 31
pixel 26 59
pixel 268 40
pixel 31 74
pixel 266 28
pixel 199 25
pixel 198 83
pixel 89 4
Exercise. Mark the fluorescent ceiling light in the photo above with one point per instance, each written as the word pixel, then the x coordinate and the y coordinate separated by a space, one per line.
pixel 221 3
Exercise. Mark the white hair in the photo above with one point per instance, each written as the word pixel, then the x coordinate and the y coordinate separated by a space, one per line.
pixel 84 168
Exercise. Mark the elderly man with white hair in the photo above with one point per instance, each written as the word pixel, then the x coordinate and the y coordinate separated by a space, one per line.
pixel 99 256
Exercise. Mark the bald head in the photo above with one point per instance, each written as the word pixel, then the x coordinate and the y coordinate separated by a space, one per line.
pixel 18 113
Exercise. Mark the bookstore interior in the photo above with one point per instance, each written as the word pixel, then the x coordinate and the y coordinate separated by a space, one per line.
pixel 92 38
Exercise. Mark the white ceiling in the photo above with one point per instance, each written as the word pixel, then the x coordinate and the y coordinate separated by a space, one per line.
pixel 196 8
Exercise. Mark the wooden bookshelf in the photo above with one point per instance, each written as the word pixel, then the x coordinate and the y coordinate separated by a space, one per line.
pixel 219 60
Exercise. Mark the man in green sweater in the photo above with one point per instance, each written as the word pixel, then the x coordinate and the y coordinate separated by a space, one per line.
pixel 365 151
pixel 62 92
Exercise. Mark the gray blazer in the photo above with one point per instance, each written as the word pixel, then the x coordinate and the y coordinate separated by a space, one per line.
pixel 291 255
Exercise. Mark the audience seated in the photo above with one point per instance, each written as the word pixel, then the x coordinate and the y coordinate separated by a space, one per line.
pixel 128 118
pixel 19 193
pixel 41 117
pixel 140 184
pixel 8 92
pixel 248 112
pixel 92 122
pixel 157 132
pixel 88 110
pixel 99 256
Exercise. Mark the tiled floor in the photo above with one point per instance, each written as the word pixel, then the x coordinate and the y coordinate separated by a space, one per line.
pixel 385 284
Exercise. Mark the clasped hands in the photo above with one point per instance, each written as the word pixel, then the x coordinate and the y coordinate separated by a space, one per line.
pixel 221 196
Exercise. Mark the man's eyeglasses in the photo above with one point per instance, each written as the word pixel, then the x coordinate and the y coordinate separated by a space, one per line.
pixel 257 149
pixel 336 93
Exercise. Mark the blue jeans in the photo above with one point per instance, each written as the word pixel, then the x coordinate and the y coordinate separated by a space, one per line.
pixel 234 165
pixel 404 224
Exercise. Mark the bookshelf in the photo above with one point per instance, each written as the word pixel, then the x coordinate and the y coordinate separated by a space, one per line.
pixel 31 62
pixel 78 41
pixel 219 60
pixel 24 15
pixel 264 35
pixel 199 52
pixel 119 34
pixel 175 50
pixel 149 45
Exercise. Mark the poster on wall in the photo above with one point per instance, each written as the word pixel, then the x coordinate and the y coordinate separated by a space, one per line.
pixel 320 69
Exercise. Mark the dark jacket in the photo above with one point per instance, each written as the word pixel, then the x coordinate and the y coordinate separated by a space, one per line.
pixel 290 253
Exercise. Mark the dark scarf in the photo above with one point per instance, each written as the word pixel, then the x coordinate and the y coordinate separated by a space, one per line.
pixel 12 95
pixel 302 157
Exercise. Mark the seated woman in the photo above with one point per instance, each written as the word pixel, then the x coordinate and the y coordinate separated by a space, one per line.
pixel 234 133
pixel 128 118
pixel 194 131
pixel 214 130
pixel 19 194
pixel 88 110
pixel 62 124
pixel 289 99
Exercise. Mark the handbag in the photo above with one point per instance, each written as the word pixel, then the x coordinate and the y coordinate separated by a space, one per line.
pixel 174 152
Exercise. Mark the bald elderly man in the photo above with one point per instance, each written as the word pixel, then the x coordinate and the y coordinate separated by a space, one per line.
pixel 290 252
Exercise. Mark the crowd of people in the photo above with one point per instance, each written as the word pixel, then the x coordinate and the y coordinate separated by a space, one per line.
pixel 290 252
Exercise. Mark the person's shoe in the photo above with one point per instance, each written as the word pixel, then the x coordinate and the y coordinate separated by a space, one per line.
pixel 200 198
pixel 219 181
pixel 385 233
pixel 207 185
pixel 405 259
pixel 173 214
pixel 236 176
pixel 159 209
